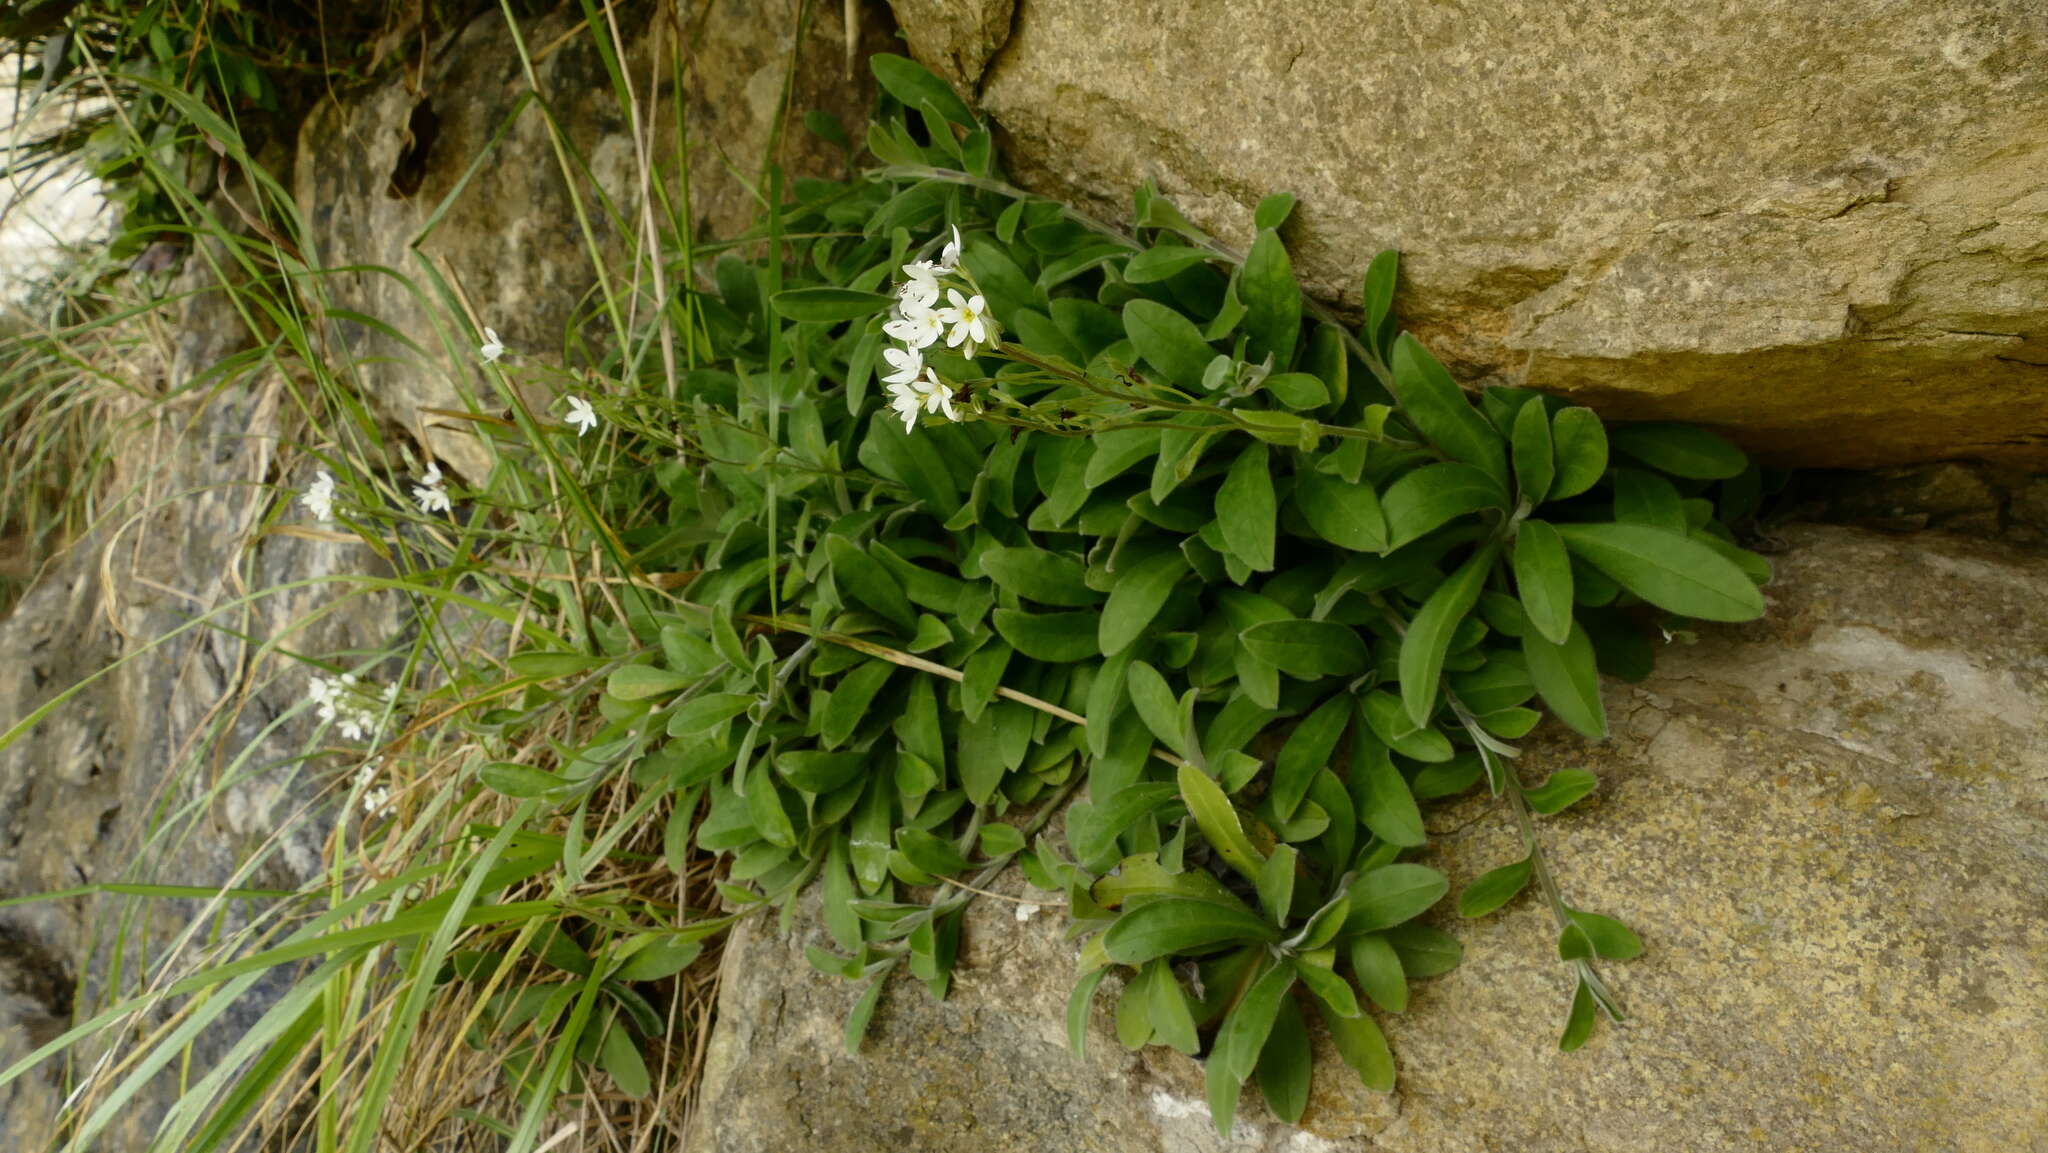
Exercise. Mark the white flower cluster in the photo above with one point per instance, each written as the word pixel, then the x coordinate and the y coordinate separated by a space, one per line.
pixel 319 497
pixel 919 321
pixel 429 494
pixel 376 798
pixel 353 710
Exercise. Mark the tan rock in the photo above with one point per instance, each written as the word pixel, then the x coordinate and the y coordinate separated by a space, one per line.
pixel 1820 228
pixel 1830 828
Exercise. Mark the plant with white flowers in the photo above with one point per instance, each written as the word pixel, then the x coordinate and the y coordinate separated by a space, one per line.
pixel 919 321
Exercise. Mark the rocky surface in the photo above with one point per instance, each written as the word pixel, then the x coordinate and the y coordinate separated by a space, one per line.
pixel 1830 828
pixel 453 171
pixel 122 782
pixel 1820 228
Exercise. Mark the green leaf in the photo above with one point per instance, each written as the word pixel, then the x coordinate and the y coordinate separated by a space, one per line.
pixel 1681 450
pixel 520 781
pixel 1428 639
pixel 1057 638
pixel 1300 391
pixel 661 958
pixel 817 771
pixel 1157 706
pixel 704 713
pixel 1378 969
pixel 620 1056
pixel 1388 719
pixel 1379 298
pixel 1535 463
pixel 1176 925
pixel 1646 498
pixel 829 305
pixel 1273 211
pixel 1276 884
pixel 1564 787
pixel 1668 569
pixel 1038 575
pixel 1285 1063
pixel 1425 499
pixel 1392 894
pixel 1610 938
pixel 1439 410
pixel 1092 831
pixel 1169 342
pixel 935 855
pixel 1161 262
pixel 851 698
pixel 1333 991
pixel 1218 820
pixel 863 578
pixel 1244 1032
pixel 1425 950
pixel 1308 649
pixel 1245 509
pixel 1117 450
pixel 1494 888
pixel 1385 803
pixel 1078 1004
pixel 1568 679
pixel 1578 1025
pixel 1580 445
pixel 915 85
pixel 1272 301
pixel 1364 1048
pixel 639 682
pixel 1306 753
pixel 1173 1021
pixel 1136 597
pixel 1345 514
pixel 1543 578
pixel 863 1012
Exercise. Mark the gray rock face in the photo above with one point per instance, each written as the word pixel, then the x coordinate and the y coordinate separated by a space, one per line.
pixel 385 182
pixel 1830 828
pixel 1820 228
pixel 106 788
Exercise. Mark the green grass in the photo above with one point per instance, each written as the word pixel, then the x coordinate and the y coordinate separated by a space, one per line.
pixel 469 939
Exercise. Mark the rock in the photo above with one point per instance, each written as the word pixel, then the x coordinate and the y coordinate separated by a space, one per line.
pixel 955 38
pixel 106 788
pixel 1830 827
pixel 510 242
pixel 1820 231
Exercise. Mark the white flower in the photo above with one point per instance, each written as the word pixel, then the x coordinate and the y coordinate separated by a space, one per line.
pixel 581 415
pixel 907 363
pixel 377 801
pixel 906 401
pixel 921 291
pixel 1026 911
pixel 937 397
pixel 969 320
pixel 354 713
pixel 429 493
pixel 917 327
pixel 493 348
pixel 319 499
pixel 949 258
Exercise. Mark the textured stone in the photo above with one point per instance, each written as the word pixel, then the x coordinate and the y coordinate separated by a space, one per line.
pixel 1820 228
pixel 374 169
pixel 1830 828
pixel 107 787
